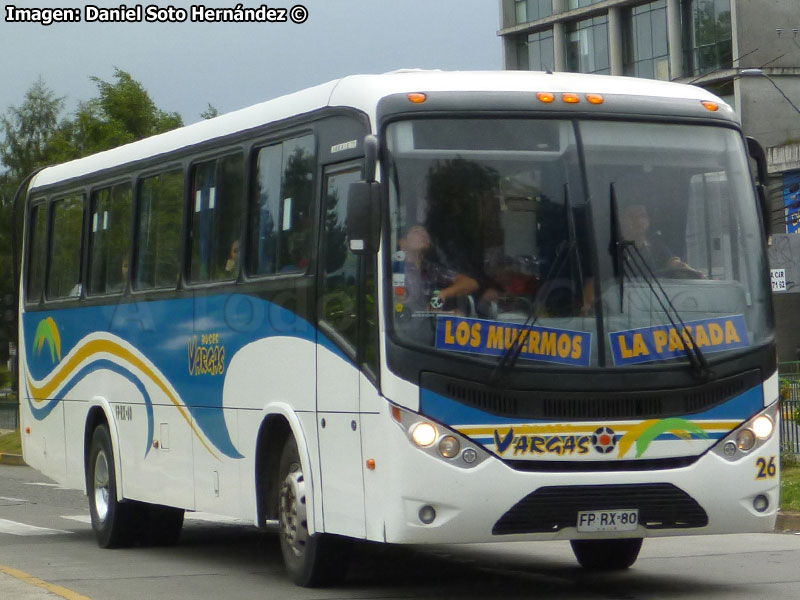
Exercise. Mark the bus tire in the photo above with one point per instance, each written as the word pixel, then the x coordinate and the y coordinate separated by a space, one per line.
pixel 113 521
pixel 606 555
pixel 311 560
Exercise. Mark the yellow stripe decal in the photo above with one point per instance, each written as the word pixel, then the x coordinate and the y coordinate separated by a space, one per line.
pixel 42 393
pixel 586 428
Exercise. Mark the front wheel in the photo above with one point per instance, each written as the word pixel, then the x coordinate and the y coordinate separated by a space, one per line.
pixel 311 560
pixel 606 555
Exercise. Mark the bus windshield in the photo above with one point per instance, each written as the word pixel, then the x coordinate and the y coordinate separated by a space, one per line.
pixel 583 243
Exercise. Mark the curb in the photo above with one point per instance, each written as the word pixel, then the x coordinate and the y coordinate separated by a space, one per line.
pixel 787 521
pixel 11 459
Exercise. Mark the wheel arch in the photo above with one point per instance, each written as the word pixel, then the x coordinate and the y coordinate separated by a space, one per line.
pixel 100 413
pixel 278 423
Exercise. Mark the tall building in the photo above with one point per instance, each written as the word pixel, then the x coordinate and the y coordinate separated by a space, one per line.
pixel 745 51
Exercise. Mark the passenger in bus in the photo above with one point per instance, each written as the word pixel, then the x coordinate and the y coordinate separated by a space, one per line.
pixel 428 284
pixel 232 264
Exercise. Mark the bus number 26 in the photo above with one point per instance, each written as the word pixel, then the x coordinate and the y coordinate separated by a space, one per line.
pixel 766 468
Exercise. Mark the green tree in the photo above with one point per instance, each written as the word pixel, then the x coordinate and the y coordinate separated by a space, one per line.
pixel 36 134
pixel 27 131
pixel 122 112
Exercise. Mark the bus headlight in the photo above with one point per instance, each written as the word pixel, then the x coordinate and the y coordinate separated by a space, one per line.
pixel 762 427
pixel 449 446
pixel 750 435
pixel 745 440
pixel 424 434
pixel 436 440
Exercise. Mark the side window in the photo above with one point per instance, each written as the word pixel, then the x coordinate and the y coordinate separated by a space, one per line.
pixel 339 284
pixel 284 206
pixel 110 239
pixel 217 194
pixel 158 237
pixel 37 252
pixel 64 276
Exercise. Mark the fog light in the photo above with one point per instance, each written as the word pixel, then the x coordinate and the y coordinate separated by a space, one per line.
pixel 469 455
pixel 427 514
pixel 745 439
pixel 762 427
pixel 761 503
pixel 449 446
pixel 424 434
pixel 729 448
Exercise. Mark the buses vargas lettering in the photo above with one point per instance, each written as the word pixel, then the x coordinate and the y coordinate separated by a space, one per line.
pixel 206 357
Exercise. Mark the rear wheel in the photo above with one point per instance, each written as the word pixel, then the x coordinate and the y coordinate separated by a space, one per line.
pixel 112 520
pixel 311 560
pixel 606 555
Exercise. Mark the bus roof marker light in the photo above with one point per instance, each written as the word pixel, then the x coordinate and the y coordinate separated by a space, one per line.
pixel 546 97
pixel 417 97
pixel 595 98
pixel 712 106
pixel 570 98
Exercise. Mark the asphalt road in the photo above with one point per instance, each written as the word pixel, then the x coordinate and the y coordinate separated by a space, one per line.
pixel 47 550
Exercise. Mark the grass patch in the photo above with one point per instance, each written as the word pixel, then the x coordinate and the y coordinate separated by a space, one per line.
pixel 790 488
pixel 11 443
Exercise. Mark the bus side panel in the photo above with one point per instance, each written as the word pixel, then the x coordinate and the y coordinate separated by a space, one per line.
pixel 216 477
pixel 43 442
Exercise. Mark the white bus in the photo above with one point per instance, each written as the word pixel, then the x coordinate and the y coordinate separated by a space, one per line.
pixel 418 307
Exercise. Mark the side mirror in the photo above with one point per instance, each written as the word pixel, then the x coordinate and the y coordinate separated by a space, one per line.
pixel 757 154
pixel 364 217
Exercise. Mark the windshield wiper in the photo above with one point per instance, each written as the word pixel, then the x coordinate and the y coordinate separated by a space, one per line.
pixel 566 249
pixel 626 249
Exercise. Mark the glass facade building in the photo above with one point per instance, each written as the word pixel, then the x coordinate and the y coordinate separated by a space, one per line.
pixel 645 47
pixel 707 34
pixel 587 46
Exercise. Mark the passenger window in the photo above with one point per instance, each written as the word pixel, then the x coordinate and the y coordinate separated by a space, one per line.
pixel 64 276
pixel 284 207
pixel 158 239
pixel 110 239
pixel 37 257
pixel 217 194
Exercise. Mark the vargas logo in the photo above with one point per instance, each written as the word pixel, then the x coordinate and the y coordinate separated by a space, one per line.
pixel 604 440
pixel 47 333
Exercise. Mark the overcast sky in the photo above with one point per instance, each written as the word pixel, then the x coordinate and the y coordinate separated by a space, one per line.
pixel 184 66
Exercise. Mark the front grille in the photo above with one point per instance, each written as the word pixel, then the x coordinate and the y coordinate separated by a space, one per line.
pixel 550 509
pixel 595 406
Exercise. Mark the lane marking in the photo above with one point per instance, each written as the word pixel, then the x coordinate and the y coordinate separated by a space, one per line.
pixel 14 528
pixel 12 499
pixel 58 590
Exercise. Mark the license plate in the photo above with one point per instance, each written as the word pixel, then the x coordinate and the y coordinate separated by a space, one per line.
pixel 608 520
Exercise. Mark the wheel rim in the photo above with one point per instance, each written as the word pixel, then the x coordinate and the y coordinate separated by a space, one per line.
pixel 101 486
pixel 292 508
